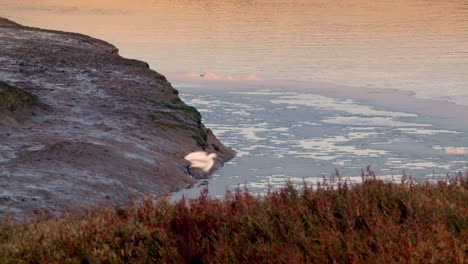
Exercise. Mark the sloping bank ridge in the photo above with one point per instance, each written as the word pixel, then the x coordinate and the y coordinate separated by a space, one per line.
pixel 82 126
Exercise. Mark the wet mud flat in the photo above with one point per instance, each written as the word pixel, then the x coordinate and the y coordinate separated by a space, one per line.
pixel 82 126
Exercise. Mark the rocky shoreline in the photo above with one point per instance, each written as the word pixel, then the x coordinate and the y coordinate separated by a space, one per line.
pixel 82 126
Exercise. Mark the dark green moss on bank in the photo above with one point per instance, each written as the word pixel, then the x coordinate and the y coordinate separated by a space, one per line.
pixel 13 99
pixel 190 111
pixel 181 116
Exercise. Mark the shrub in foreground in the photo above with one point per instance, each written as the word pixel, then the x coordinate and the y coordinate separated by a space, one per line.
pixel 375 222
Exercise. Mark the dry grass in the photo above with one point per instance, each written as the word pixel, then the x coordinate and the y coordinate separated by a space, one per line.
pixel 375 222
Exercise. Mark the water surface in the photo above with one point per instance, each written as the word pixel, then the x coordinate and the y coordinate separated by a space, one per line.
pixel 354 65
pixel 300 137
pixel 415 45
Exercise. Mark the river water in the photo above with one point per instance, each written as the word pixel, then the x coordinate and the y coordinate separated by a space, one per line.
pixel 299 87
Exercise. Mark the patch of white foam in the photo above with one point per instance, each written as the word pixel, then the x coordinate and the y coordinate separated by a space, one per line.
pixel 342 162
pixel 348 105
pixel 361 135
pixel 219 130
pixel 280 180
pixel 423 131
pixel 217 103
pixel 392 161
pixel 420 165
pixel 239 112
pixel 302 124
pixel 205 110
pixel 199 102
pixel 361 128
pixel 370 121
pixel 438 147
pixel 460 162
pixel 329 148
pixel 251 133
pixel 240 153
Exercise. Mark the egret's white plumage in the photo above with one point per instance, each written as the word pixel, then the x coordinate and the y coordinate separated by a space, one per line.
pixel 201 160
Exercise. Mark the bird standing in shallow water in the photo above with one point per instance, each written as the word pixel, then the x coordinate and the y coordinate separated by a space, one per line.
pixel 201 160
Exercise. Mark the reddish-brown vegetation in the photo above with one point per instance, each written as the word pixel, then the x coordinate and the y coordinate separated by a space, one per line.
pixel 375 222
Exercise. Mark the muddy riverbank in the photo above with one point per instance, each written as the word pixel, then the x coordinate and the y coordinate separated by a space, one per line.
pixel 80 125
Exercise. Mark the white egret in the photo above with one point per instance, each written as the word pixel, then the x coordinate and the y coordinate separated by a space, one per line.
pixel 201 160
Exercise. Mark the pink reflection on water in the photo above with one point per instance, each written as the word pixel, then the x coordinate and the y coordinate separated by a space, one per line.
pixel 455 151
pixel 209 75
